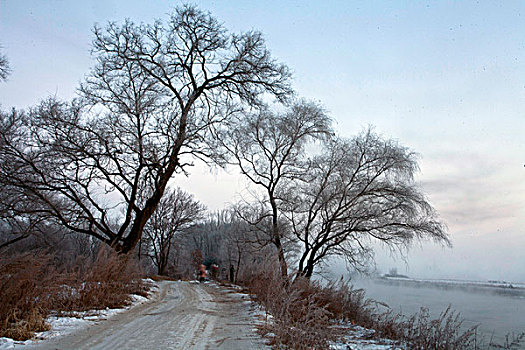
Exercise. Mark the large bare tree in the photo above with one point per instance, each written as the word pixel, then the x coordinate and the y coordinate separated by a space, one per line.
pixel 358 191
pixel 158 93
pixel 269 150
pixel 176 213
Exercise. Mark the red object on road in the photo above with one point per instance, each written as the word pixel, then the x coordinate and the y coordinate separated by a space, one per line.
pixel 202 272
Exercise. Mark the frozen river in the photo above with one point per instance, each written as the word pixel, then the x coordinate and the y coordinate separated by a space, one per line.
pixel 497 311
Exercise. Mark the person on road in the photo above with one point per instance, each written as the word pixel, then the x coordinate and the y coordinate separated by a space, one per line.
pixel 202 273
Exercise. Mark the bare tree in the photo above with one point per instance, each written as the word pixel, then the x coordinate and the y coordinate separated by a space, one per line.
pixel 269 150
pixel 236 248
pixel 242 248
pixel 175 214
pixel 5 70
pixel 100 165
pixel 208 236
pixel 19 214
pixel 358 191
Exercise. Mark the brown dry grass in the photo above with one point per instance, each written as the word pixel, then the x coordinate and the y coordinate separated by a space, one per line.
pixel 25 283
pixel 443 333
pixel 32 287
pixel 299 320
pixel 105 281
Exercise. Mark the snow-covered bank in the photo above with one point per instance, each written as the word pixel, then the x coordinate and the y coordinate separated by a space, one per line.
pixel 63 325
pixel 357 337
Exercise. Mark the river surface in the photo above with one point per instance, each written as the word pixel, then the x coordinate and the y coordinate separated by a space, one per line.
pixel 497 311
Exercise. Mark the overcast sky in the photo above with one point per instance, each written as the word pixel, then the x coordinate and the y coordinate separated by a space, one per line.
pixel 445 78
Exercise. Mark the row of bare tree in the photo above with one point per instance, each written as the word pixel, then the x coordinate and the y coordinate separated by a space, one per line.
pixel 164 95
pixel 324 195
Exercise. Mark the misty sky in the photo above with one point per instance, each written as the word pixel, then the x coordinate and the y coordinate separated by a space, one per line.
pixel 445 78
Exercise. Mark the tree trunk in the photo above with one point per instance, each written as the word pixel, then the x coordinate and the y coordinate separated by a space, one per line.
pixel 282 260
pixel 151 204
pixel 238 266
pixel 277 238
pixel 309 270
pixel 161 268
pixel 310 264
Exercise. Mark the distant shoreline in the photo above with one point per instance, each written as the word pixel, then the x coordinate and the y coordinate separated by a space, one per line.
pixel 497 287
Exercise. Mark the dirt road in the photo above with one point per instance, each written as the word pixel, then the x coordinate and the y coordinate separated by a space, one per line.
pixel 182 316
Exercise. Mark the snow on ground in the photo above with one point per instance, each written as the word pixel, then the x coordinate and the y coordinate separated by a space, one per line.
pixel 356 337
pixel 7 343
pixel 255 310
pixel 67 324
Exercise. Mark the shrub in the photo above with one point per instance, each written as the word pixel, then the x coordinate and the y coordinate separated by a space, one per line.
pixel 26 285
pixel 299 320
pixel 443 333
pixel 34 285
pixel 106 280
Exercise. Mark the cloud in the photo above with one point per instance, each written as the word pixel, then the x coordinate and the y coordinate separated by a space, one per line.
pixel 473 193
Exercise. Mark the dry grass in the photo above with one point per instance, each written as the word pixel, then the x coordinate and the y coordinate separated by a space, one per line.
pixel 299 320
pixel 304 311
pixel 32 287
pixel 25 283
pixel 419 331
pixel 443 333
pixel 105 281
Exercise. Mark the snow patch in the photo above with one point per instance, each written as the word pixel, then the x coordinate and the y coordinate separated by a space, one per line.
pixel 357 337
pixel 7 343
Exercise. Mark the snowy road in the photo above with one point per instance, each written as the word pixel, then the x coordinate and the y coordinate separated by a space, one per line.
pixel 182 316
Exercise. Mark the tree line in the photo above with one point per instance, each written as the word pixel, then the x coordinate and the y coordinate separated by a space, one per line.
pixel 162 96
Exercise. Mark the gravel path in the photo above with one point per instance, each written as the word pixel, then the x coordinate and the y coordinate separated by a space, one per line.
pixel 182 316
